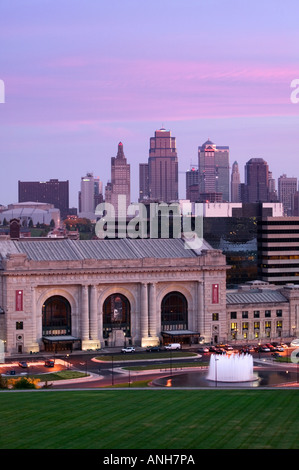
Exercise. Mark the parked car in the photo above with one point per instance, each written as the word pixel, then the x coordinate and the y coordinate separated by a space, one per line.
pixel 153 349
pixel 23 364
pixel 173 346
pixel 203 350
pixel 263 348
pixel 228 347
pixel 278 348
pixel 244 351
pixel 128 349
pixel 49 363
pixel 276 354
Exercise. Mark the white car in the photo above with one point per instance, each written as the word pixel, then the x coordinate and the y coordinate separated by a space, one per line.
pixel 129 349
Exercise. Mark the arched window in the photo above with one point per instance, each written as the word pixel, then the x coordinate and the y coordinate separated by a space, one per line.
pixel 56 316
pixel 116 314
pixel 174 312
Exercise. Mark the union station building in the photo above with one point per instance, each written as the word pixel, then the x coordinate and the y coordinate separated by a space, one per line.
pixel 67 294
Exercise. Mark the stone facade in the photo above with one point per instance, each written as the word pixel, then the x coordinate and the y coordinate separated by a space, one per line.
pixel 27 284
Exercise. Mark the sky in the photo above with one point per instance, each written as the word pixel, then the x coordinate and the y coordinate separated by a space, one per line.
pixel 80 77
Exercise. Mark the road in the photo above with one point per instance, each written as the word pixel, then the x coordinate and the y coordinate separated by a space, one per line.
pixel 105 373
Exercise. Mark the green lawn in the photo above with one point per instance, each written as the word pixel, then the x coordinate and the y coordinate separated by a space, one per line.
pixel 150 419
pixel 144 356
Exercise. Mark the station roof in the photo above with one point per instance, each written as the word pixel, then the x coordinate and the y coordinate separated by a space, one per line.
pixel 125 248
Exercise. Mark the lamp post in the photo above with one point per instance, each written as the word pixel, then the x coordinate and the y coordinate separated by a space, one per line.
pixel 112 375
pixel 216 360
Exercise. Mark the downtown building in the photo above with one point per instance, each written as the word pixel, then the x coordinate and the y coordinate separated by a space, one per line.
pixel 287 188
pixel 278 250
pixel 213 168
pixel 159 177
pixel 120 184
pixel 51 192
pixel 73 294
pixel 256 188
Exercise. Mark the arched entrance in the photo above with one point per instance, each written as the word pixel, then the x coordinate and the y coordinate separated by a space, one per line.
pixel 174 318
pixel 116 317
pixel 174 312
pixel 56 323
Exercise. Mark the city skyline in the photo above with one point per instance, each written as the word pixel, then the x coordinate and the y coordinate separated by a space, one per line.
pixel 80 80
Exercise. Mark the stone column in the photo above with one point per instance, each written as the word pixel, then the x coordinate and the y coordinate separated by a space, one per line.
pixel 93 314
pixel 154 329
pixel 144 313
pixel 200 317
pixel 33 346
pixel 84 315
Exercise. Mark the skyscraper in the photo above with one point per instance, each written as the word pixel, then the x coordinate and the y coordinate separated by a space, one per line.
pixel 235 183
pixel 213 166
pixel 143 182
pixel 163 167
pixel 53 192
pixel 86 197
pixel 256 180
pixel 120 181
pixel 192 190
pixel 287 187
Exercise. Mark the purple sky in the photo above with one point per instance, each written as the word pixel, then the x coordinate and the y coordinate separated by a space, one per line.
pixel 82 76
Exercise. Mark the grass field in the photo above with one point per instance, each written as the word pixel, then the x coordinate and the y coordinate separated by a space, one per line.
pixel 150 419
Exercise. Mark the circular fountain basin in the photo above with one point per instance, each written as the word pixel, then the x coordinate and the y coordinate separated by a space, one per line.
pixel 233 368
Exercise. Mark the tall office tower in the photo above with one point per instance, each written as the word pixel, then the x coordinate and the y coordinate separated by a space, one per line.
pixel 53 192
pixel 163 167
pixel 278 250
pixel 120 182
pixel 235 183
pixel 256 180
pixel 272 193
pixel 98 191
pixel 213 166
pixel 287 187
pixel 143 182
pixel 192 192
pixel 86 197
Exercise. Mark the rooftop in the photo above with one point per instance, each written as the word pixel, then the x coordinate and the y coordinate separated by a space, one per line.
pixel 255 296
pixel 125 248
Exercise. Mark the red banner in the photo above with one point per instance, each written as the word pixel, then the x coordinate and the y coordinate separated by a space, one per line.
pixel 215 293
pixel 19 300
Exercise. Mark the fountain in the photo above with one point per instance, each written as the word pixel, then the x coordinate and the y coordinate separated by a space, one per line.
pixel 232 368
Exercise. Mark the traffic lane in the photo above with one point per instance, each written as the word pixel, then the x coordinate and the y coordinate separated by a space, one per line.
pixel 33 367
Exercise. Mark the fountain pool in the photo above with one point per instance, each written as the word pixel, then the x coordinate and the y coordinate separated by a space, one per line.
pixel 231 368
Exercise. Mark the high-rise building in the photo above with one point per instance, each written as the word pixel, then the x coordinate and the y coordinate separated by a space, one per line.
pixel 163 167
pixel 86 197
pixel 278 250
pixel 120 182
pixel 143 182
pixel 52 192
pixel 213 166
pixel 192 190
pixel 235 183
pixel 287 187
pixel 256 180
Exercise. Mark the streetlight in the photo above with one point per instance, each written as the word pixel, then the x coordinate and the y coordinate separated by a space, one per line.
pixel 216 359
pixel 112 376
pixel 170 362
